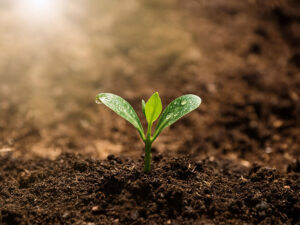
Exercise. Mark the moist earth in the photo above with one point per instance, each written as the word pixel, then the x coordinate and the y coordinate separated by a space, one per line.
pixel 78 190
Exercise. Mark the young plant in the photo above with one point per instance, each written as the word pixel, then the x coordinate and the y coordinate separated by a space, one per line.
pixel 152 109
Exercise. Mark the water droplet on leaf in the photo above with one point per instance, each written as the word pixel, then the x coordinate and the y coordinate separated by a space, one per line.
pixel 183 102
pixel 98 101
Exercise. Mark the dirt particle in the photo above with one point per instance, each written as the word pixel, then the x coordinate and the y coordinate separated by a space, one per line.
pixel 134 214
pixel 278 123
pixel 261 206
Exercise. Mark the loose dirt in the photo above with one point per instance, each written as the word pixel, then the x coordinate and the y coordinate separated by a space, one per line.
pixel 78 190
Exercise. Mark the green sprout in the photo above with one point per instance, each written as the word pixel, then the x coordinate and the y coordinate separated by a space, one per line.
pixel 151 110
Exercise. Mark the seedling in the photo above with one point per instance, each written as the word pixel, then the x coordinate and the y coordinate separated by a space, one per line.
pixel 152 109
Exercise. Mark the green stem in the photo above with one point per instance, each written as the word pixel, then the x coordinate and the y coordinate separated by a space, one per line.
pixel 148 144
pixel 147 167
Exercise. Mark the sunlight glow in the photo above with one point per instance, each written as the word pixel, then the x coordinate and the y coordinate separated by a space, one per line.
pixel 38 10
pixel 40 5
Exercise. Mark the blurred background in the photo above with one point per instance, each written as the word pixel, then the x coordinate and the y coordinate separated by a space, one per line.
pixel 241 57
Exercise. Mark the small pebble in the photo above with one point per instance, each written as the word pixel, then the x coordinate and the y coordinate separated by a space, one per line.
pixel 95 208
pixel 65 215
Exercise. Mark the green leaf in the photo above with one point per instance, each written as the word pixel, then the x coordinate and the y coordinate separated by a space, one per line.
pixel 143 107
pixel 175 110
pixel 153 108
pixel 122 108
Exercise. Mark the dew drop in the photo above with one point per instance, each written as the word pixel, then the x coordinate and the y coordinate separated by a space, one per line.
pixel 183 102
pixel 98 101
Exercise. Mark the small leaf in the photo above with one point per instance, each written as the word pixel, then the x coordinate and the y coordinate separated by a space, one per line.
pixel 175 110
pixel 143 107
pixel 153 108
pixel 122 108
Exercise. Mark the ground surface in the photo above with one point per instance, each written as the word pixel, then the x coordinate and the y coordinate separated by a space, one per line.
pixel 74 190
pixel 241 57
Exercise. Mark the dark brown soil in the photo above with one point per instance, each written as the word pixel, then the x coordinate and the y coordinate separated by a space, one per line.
pixel 241 57
pixel 76 190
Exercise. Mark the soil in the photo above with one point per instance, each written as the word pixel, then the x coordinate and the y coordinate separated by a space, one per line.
pixel 77 190
pixel 235 160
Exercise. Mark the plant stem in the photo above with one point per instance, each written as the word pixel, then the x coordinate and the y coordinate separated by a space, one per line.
pixel 147 167
pixel 148 144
